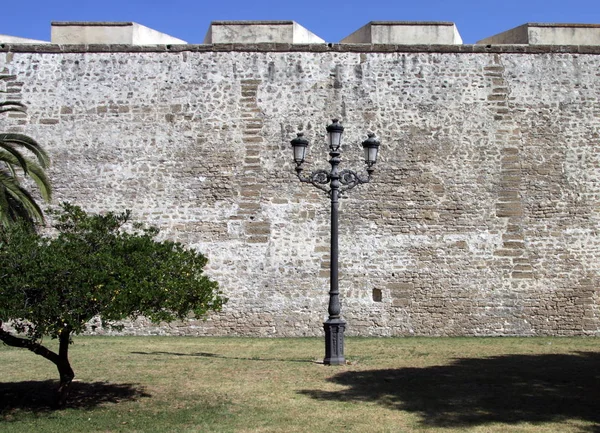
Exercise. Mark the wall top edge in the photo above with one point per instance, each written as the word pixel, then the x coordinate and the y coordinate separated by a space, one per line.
pixel 286 47
pixel 91 23
pixel 411 23
pixel 288 22
pixel 251 22
pixel 571 25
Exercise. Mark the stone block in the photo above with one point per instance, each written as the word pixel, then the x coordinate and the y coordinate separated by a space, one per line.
pixel 6 39
pixel 508 253
pixel 504 210
pixel 405 33
pixel 258 228
pixel 127 33
pixel 256 32
pixel 400 287
pixel 522 275
pixel 401 303
pixel 548 34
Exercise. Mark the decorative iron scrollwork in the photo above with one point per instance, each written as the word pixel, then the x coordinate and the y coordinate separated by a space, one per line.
pixel 318 178
pixel 349 179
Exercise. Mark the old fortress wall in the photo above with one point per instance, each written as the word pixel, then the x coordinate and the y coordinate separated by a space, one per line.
pixel 482 217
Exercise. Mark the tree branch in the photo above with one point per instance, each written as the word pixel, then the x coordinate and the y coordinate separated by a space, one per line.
pixel 25 343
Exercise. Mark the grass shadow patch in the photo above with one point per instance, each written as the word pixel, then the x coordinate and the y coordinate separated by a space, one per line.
pixel 468 392
pixel 218 356
pixel 40 396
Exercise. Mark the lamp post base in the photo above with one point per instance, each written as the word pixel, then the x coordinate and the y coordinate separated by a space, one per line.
pixel 334 342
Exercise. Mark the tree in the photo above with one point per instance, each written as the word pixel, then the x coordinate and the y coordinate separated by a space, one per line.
pixel 94 267
pixel 16 202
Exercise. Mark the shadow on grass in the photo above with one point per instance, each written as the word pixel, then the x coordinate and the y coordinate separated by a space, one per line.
pixel 469 392
pixel 216 355
pixel 40 396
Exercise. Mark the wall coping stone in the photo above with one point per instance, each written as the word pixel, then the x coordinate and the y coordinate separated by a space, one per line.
pixel 547 34
pixel 276 47
pixel 251 22
pixel 411 23
pixel 574 25
pixel 92 23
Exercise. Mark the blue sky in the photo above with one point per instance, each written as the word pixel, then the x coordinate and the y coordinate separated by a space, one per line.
pixel 332 21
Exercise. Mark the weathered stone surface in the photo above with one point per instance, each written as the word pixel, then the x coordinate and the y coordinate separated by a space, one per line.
pixel 74 32
pixel 18 40
pixel 405 32
pixel 548 34
pixel 482 218
pixel 252 32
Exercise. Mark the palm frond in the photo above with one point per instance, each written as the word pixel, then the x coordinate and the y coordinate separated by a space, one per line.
pixel 20 212
pixel 15 106
pixel 15 201
pixel 20 202
pixel 10 168
pixel 31 169
pixel 41 180
pixel 4 208
pixel 12 156
pixel 28 143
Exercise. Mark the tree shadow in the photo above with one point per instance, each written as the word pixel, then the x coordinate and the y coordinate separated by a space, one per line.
pixel 508 389
pixel 40 396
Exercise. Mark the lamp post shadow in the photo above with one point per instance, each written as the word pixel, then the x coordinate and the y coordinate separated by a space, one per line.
pixel 469 392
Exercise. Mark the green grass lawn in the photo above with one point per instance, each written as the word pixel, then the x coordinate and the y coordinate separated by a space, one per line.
pixel 172 384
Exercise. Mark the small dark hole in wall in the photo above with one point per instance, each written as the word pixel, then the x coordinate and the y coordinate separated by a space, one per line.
pixel 376 295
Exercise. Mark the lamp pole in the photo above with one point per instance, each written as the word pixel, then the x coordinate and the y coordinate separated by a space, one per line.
pixel 334 183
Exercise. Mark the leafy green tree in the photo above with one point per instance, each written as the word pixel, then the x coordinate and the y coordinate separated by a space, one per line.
pixel 93 266
pixel 16 202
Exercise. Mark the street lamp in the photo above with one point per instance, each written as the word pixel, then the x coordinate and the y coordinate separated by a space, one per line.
pixel 334 183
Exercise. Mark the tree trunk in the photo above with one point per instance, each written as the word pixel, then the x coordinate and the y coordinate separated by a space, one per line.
pixel 64 367
pixel 60 359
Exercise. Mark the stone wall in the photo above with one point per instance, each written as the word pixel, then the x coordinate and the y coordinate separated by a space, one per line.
pixel 482 218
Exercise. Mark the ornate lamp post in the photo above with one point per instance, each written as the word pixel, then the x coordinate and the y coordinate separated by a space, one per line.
pixel 334 183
